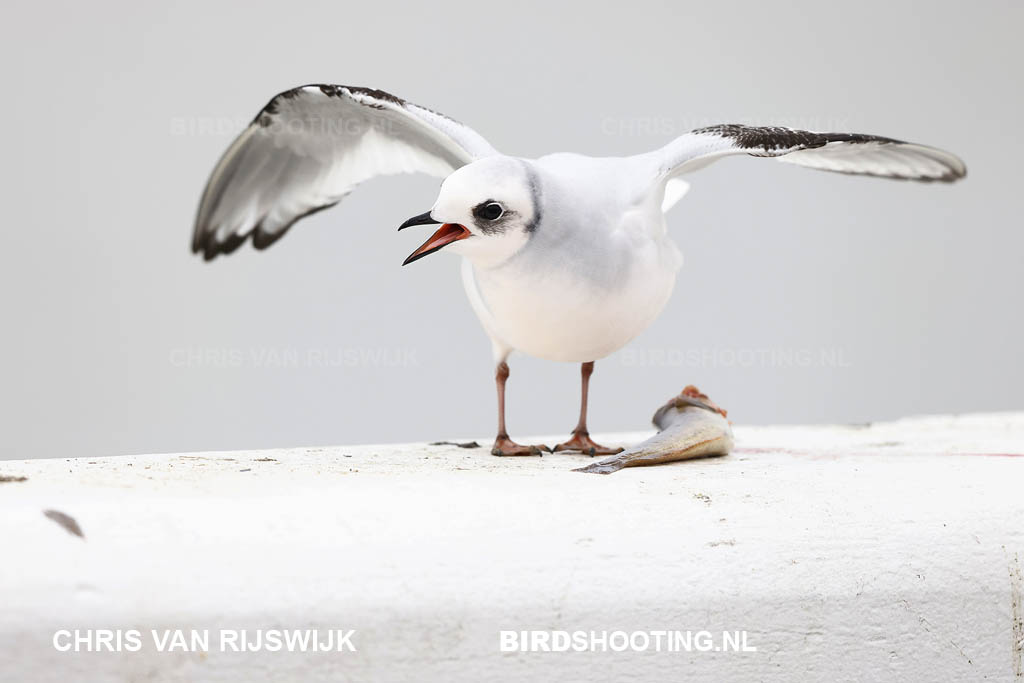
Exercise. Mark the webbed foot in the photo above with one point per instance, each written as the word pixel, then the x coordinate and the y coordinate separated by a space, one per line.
pixel 506 446
pixel 581 441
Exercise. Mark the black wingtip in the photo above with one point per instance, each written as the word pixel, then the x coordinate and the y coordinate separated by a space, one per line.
pixel 206 242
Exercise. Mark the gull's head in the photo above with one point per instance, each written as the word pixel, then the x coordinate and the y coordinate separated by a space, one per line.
pixel 488 210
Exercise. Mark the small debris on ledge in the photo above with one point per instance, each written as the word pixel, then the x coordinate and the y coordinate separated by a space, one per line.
pixel 66 521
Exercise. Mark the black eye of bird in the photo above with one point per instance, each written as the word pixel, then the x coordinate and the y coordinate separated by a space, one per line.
pixel 490 211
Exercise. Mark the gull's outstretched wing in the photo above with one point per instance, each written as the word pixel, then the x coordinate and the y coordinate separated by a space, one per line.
pixel 311 146
pixel 840 152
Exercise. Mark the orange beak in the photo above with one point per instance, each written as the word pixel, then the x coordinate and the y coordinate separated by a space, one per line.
pixel 445 235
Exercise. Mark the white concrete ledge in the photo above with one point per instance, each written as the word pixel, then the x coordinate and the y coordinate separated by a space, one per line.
pixel 874 553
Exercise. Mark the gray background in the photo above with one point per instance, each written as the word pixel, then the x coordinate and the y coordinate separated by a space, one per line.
pixel 806 296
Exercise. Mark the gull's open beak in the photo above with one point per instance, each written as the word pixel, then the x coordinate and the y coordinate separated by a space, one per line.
pixel 446 234
pixel 422 219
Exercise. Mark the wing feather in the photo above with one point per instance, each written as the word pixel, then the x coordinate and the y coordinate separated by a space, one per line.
pixel 853 153
pixel 311 146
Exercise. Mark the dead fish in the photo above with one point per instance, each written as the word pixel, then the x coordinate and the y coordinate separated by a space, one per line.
pixel 690 426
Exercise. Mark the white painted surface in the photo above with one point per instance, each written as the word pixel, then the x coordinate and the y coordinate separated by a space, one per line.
pixel 846 553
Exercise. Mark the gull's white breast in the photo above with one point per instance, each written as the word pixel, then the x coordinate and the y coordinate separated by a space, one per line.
pixel 595 274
